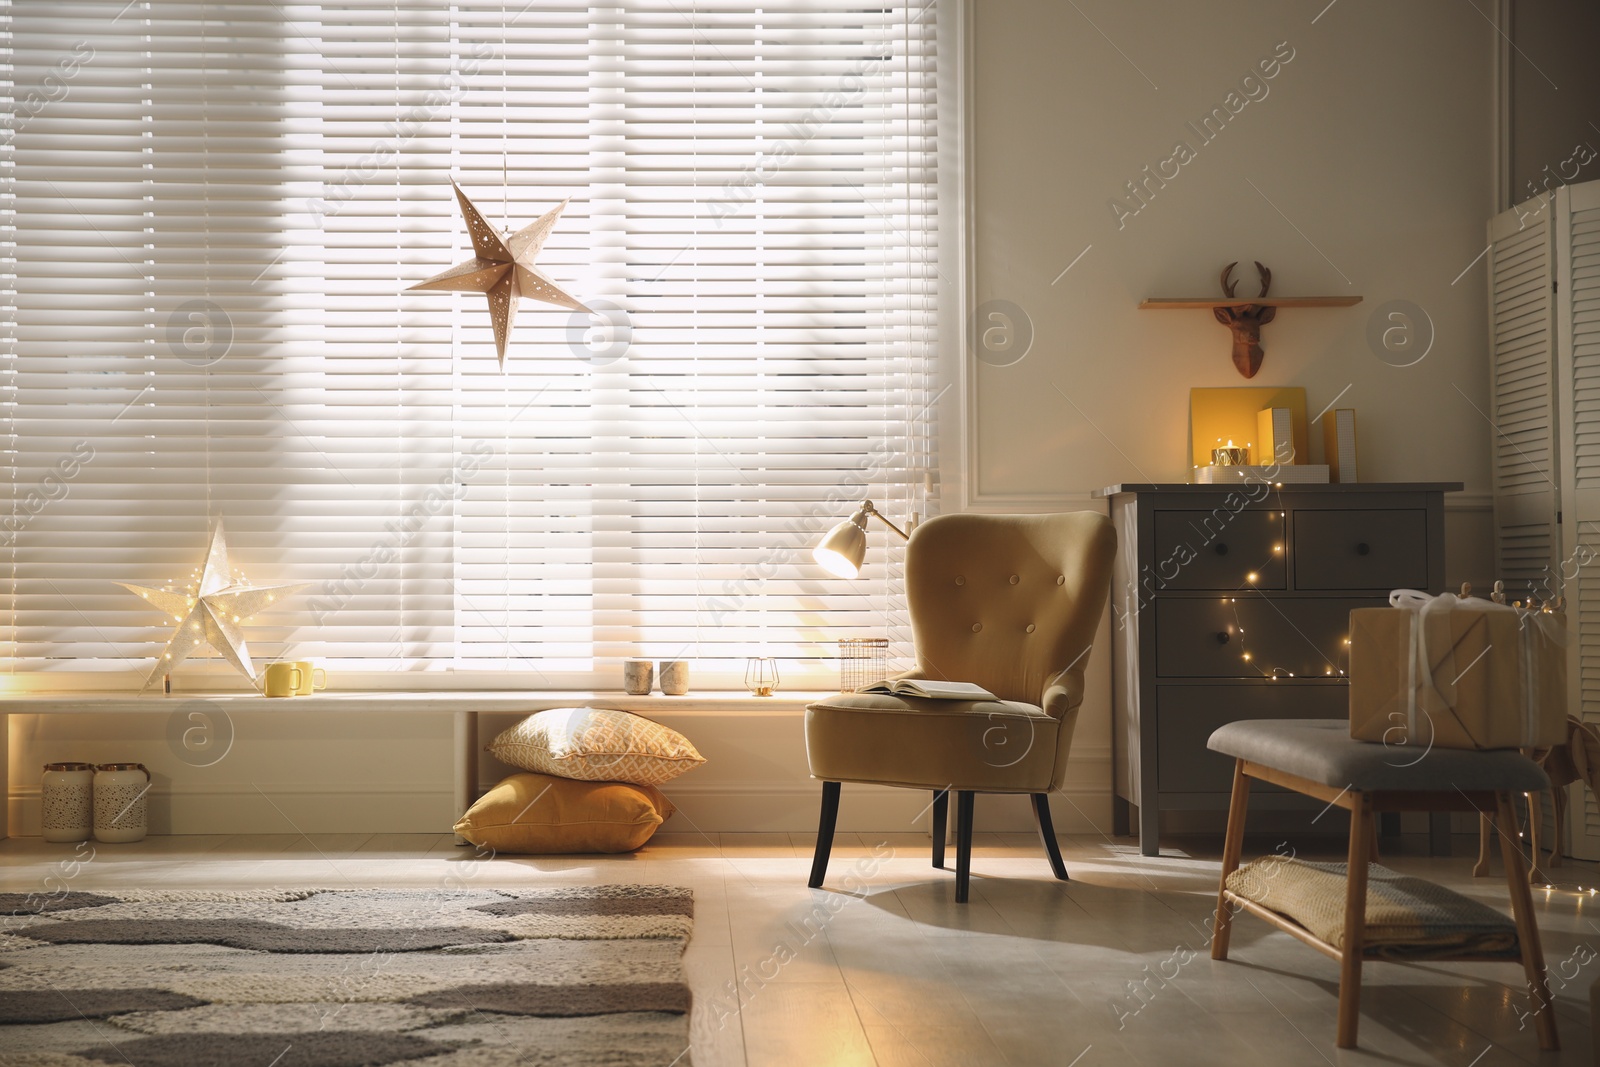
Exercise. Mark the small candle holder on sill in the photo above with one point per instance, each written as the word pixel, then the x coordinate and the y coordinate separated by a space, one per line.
pixel 761 675
pixel 1230 456
pixel 862 661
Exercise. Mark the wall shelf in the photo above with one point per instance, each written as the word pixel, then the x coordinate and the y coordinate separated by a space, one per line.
pixel 1165 304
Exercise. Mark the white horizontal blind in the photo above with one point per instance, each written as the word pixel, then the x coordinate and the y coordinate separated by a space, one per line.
pixel 212 212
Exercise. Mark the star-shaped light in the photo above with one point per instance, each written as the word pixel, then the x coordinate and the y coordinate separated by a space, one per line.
pixel 503 270
pixel 210 610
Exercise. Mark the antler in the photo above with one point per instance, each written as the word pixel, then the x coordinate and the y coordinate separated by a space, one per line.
pixel 1266 278
pixel 1227 285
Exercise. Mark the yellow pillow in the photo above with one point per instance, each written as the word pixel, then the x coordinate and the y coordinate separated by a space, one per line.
pixel 539 814
pixel 596 745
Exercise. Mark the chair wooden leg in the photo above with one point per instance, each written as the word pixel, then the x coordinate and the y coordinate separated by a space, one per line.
pixel 1047 834
pixel 1535 824
pixel 825 823
pixel 1232 846
pixel 1355 922
pixel 1485 832
pixel 1527 930
pixel 1558 799
pixel 964 798
pixel 941 817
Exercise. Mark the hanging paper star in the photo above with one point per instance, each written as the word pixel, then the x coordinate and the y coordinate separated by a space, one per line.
pixel 210 609
pixel 503 270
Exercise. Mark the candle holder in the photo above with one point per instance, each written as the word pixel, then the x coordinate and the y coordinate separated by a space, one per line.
pixel 761 675
pixel 638 676
pixel 862 661
pixel 1230 457
pixel 674 677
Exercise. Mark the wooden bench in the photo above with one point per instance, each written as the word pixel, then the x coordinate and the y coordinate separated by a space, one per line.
pixel 464 705
pixel 1317 757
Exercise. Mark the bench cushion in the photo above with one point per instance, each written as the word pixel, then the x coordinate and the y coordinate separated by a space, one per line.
pixel 1406 918
pixel 1322 751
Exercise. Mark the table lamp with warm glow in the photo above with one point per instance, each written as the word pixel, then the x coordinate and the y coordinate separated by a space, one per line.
pixel 841 552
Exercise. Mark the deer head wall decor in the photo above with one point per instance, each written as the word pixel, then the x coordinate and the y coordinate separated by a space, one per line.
pixel 1246 321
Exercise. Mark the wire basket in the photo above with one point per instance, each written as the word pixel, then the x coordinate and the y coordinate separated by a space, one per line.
pixel 862 661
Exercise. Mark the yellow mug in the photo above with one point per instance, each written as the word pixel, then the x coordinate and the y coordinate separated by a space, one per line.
pixel 282 679
pixel 312 677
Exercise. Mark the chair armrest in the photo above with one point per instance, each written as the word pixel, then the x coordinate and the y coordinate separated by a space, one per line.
pixel 1062 694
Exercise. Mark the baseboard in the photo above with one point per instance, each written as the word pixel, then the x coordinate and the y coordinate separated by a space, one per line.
pixel 1469 501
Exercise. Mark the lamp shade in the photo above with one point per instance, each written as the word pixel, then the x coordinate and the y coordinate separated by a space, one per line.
pixel 843 550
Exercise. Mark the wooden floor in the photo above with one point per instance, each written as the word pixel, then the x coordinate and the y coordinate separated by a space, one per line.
pixel 882 968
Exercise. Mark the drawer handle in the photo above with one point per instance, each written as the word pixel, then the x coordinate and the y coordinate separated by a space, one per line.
pixel 1222 548
pixel 1363 549
pixel 1222 637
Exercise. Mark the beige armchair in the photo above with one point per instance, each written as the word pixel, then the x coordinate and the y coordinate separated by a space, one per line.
pixel 1010 602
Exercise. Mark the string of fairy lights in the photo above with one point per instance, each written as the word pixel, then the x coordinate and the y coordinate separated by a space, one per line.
pixel 1333 667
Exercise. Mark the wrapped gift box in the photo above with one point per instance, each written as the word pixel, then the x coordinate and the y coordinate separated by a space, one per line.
pixel 1478 675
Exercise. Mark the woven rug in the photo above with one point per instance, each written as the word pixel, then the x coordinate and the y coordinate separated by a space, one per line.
pixel 346 978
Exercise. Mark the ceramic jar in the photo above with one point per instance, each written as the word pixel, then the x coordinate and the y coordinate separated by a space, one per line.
pixel 67 795
pixel 674 675
pixel 638 676
pixel 120 810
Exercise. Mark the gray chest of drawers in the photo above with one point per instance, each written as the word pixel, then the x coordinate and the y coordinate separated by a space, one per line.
pixel 1233 602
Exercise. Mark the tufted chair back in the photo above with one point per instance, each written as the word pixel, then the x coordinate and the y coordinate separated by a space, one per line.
pixel 1010 602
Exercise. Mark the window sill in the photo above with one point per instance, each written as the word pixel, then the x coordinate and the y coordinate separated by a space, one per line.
pixel 103 702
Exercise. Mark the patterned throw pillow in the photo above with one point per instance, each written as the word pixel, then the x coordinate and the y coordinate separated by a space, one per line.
pixel 538 814
pixel 596 745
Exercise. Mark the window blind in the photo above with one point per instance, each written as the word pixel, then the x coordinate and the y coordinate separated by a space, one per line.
pixel 211 215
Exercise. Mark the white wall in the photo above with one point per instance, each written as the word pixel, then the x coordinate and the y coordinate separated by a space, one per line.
pixel 1370 160
pixel 1372 146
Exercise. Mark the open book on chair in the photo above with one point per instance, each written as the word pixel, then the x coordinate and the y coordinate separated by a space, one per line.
pixel 930 688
